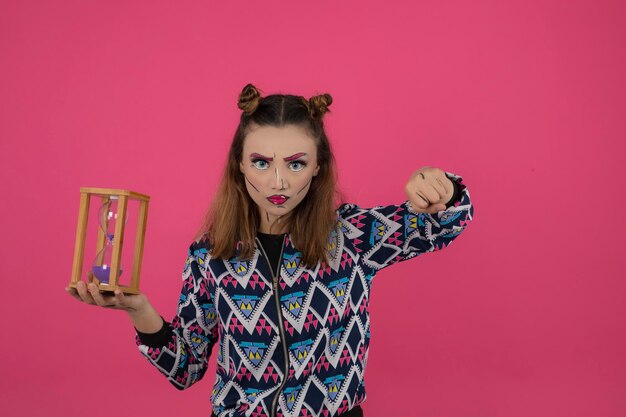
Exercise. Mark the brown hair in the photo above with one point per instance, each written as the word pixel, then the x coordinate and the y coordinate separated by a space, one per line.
pixel 233 216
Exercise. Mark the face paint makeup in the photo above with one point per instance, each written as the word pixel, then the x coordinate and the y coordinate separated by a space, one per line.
pixel 278 183
pixel 305 186
pixel 293 157
pixel 278 199
pixel 252 185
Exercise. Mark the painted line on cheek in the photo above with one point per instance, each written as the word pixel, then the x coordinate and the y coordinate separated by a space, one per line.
pixel 307 184
pixel 257 190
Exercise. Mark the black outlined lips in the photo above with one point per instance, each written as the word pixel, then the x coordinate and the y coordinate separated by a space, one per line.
pixel 278 199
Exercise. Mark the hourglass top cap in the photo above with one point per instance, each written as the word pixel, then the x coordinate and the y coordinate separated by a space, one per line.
pixel 114 193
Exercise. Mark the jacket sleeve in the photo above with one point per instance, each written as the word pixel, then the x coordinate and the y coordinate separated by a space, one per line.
pixel 384 235
pixel 181 350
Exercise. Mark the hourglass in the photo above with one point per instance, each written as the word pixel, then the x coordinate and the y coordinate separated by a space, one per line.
pixel 107 216
pixel 106 268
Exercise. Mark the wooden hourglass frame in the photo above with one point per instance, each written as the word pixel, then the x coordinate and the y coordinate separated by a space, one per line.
pixel 107 194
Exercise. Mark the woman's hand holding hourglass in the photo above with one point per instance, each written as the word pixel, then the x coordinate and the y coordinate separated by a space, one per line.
pixel 90 294
pixel 144 317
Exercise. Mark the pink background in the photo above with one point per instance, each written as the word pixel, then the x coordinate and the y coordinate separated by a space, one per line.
pixel 523 315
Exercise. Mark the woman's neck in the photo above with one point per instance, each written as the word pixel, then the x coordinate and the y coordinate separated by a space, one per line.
pixel 272 234
pixel 272 225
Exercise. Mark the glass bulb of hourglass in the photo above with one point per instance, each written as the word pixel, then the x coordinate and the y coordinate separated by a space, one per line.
pixel 107 216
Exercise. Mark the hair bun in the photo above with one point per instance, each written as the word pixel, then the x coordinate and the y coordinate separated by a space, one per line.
pixel 318 105
pixel 249 99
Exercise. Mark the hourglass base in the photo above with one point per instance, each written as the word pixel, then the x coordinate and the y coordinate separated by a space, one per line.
pixel 104 287
pixel 111 289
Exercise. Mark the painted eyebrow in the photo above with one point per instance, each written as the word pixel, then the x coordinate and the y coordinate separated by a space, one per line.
pixel 295 156
pixel 258 155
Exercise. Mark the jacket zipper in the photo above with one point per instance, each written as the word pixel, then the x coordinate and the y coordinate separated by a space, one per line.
pixel 281 328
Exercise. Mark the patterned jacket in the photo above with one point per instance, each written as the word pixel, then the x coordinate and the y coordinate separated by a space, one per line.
pixel 294 345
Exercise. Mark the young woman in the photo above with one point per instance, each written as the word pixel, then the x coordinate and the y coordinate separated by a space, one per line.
pixel 278 278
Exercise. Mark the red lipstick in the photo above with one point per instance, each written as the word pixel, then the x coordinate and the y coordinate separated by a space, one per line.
pixel 278 199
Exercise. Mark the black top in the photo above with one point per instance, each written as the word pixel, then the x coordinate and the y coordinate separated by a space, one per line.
pixel 272 244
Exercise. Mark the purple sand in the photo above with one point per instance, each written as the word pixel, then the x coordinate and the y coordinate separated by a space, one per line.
pixel 103 273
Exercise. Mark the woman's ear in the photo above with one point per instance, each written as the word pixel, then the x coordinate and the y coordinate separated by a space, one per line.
pixel 241 167
pixel 317 170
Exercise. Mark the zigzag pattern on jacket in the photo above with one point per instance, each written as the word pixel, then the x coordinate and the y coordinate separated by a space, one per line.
pixel 325 314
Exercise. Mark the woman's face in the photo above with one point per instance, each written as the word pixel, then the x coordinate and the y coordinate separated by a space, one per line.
pixel 278 164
